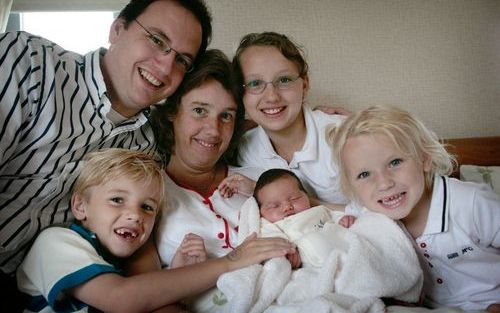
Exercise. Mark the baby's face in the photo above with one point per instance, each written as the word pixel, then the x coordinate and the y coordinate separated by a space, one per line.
pixel 282 198
pixel 384 179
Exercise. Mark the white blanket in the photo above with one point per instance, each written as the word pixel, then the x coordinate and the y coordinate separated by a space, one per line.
pixel 379 261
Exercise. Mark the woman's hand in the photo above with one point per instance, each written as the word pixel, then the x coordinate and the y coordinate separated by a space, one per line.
pixel 236 183
pixel 256 250
pixel 190 251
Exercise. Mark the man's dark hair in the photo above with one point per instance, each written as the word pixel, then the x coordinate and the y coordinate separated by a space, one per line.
pixel 272 175
pixel 198 7
pixel 213 65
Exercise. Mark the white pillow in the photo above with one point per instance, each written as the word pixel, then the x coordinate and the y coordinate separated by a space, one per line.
pixel 489 175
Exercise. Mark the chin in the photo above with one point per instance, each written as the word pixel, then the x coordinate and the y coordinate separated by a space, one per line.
pixel 123 254
pixel 397 214
pixel 278 126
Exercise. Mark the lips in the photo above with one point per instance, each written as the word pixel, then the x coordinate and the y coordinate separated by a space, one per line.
pixel 393 201
pixel 206 144
pixel 150 78
pixel 273 111
pixel 126 233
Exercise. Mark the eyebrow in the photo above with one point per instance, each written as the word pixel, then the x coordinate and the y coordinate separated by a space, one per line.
pixel 119 190
pixel 158 32
pixel 271 203
pixel 124 191
pixel 211 105
pixel 280 73
pixel 156 202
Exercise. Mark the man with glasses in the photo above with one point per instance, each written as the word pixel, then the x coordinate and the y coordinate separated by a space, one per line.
pixel 56 106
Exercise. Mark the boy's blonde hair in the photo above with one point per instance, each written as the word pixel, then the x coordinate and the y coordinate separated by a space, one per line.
pixel 103 166
pixel 407 133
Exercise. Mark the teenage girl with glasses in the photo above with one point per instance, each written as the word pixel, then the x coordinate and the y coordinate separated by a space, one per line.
pixel 274 81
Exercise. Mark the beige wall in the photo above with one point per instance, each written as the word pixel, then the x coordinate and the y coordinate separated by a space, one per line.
pixel 439 59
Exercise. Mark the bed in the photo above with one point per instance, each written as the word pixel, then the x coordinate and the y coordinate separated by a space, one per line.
pixel 478 159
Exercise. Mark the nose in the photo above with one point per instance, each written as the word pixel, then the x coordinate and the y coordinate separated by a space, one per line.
pixel 212 126
pixel 165 62
pixel 135 215
pixel 384 181
pixel 287 206
pixel 270 92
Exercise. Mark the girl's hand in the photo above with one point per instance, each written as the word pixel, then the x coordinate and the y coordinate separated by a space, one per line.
pixel 236 183
pixel 256 250
pixel 190 251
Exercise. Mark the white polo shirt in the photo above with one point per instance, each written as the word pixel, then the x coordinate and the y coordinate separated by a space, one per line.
pixel 61 258
pixel 313 164
pixel 459 249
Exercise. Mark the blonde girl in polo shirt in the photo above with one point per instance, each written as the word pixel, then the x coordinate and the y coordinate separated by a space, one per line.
pixel 392 164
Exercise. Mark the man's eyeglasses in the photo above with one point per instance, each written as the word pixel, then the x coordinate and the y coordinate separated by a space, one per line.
pixel 257 86
pixel 184 62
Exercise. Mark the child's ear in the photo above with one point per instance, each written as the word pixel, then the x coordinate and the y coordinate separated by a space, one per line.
pixel 78 206
pixel 305 81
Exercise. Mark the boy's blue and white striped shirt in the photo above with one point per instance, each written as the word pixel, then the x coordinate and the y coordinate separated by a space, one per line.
pixel 53 110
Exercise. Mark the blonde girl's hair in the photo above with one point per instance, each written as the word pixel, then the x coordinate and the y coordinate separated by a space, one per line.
pixel 408 134
pixel 105 165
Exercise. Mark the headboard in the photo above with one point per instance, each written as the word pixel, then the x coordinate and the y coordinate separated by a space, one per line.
pixel 483 151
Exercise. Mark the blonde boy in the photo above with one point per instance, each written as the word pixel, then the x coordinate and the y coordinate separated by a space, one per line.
pixel 115 201
pixel 392 164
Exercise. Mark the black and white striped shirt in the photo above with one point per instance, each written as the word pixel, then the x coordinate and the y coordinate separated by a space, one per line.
pixel 53 110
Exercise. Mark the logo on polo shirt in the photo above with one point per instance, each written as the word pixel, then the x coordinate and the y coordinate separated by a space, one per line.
pixel 457 254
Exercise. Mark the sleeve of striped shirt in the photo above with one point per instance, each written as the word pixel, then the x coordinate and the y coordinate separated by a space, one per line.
pixel 18 90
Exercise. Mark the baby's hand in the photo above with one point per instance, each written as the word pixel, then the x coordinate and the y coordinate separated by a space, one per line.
pixel 347 221
pixel 236 183
pixel 294 259
pixel 190 251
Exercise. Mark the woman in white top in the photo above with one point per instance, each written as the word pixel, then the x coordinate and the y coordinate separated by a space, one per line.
pixel 195 131
pixel 273 75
